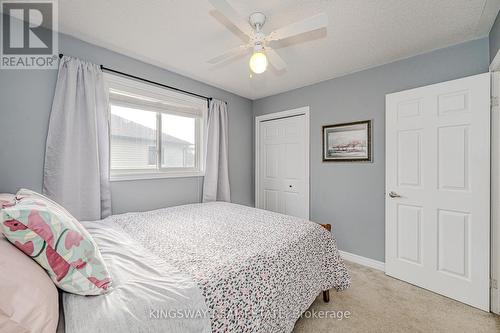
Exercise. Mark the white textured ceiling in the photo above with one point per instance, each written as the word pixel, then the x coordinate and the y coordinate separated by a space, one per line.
pixel 181 35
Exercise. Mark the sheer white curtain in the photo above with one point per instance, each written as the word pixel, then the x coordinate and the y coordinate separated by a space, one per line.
pixel 216 180
pixel 76 172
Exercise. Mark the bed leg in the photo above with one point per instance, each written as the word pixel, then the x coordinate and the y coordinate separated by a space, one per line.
pixel 326 293
pixel 326 296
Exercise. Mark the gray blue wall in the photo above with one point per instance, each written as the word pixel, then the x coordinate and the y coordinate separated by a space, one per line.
pixel 351 195
pixel 494 38
pixel 25 103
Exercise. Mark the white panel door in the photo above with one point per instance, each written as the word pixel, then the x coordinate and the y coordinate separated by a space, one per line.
pixel 282 166
pixel 438 188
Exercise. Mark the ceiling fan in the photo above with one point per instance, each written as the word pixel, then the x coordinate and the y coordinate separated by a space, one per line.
pixel 258 40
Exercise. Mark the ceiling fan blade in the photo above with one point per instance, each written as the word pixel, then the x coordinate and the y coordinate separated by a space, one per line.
pixel 229 54
pixel 309 24
pixel 275 59
pixel 229 12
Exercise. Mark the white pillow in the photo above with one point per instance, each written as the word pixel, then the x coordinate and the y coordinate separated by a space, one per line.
pixel 29 300
pixel 7 200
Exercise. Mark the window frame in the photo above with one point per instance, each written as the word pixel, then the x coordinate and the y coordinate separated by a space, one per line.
pixel 148 91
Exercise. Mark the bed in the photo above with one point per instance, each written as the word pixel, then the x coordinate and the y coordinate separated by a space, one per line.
pixel 212 267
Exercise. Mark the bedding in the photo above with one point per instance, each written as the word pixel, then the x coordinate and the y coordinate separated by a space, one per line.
pixel 257 271
pixel 144 287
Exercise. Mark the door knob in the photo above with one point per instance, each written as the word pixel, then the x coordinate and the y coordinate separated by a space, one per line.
pixel 393 194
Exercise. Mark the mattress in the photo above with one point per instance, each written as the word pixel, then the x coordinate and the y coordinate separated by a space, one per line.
pixel 241 269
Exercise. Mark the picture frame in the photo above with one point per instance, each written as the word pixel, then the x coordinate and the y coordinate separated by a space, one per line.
pixel 347 142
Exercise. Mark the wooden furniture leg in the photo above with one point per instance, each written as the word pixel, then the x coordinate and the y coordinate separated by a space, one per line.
pixel 326 296
pixel 327 226
pixel 326 293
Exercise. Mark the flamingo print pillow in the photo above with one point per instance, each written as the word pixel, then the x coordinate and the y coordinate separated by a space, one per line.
pixel 52 237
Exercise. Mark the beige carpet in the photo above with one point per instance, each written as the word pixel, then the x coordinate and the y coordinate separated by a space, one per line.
pixel 378 303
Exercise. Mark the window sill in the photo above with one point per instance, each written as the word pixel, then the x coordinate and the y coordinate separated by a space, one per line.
pixel 117 177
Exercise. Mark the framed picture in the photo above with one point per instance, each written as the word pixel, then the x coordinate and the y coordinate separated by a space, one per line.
pixel 347 142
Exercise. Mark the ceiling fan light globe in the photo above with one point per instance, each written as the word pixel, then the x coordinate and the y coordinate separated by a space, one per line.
pixel 258 62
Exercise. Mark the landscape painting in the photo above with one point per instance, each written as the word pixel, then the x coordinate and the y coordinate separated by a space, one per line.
pixel 347 142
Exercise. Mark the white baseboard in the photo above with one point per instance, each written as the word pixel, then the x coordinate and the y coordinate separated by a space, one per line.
pixel 495 301
pixel 363 260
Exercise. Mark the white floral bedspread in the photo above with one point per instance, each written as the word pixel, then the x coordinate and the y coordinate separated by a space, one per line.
pixel 258 270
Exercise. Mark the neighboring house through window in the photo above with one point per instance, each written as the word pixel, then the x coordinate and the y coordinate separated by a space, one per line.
pixel 152 156
pixel 155 132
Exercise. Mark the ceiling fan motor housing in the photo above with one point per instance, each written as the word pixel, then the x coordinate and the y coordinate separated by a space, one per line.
pixel 257 20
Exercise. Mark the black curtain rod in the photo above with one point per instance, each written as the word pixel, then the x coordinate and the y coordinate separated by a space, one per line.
pixel 149 81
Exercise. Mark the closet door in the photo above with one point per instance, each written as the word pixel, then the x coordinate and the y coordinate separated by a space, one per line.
pixel 283 160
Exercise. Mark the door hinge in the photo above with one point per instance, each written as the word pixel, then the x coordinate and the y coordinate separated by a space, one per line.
pixel 494 101
pixel 493 284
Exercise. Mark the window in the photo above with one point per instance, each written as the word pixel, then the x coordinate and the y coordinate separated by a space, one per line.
pixel 155 132
pixel 152 156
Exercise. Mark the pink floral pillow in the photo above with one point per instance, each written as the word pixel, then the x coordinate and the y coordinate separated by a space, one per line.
pixel 52 237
